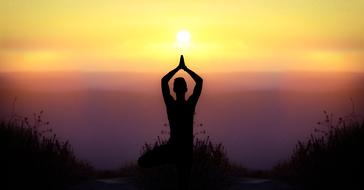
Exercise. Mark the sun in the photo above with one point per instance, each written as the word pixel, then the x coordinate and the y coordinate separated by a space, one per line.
pixel 183 38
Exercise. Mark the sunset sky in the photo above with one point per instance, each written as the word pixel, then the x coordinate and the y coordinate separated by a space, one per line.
pixel 263 63
pixel 113 35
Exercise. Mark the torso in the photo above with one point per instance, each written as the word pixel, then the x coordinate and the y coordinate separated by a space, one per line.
pixel 180 116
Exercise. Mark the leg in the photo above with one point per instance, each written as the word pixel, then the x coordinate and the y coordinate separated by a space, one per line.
pixel 157 156
pixel 184 173
pixel 184 165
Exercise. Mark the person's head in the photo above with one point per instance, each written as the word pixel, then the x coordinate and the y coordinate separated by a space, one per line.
pixel 180 85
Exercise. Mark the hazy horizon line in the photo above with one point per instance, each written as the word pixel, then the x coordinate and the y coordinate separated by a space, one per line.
pixel 158 72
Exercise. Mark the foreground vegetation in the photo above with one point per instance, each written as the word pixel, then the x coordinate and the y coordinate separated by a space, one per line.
pixel 332 157
pixel 32 157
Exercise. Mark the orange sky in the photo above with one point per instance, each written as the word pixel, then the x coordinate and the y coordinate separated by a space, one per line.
pixel 44 35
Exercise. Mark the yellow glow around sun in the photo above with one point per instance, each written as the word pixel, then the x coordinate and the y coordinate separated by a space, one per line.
pixel 221 35
pixel 183 39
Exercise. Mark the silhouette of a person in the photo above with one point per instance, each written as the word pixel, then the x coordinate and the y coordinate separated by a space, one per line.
pixel 180 111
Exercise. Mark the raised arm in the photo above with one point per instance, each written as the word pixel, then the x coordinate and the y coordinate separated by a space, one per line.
pixel 198 80
pixel 165 88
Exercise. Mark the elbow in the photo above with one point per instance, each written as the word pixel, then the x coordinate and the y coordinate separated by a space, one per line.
pixel 164 81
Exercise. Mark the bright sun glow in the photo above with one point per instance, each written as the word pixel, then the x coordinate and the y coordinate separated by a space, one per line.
pixel 221 35
pixel 183 38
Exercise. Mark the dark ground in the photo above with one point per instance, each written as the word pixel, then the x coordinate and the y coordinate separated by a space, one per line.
pixel 125 184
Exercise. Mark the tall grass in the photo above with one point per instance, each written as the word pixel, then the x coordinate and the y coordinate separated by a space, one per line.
pixel 32 157
pixel 210 169
pixel 331 158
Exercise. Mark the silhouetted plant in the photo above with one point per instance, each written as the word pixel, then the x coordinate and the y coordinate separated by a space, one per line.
pixel 332 157
pixel 32 157
pixel 210 168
